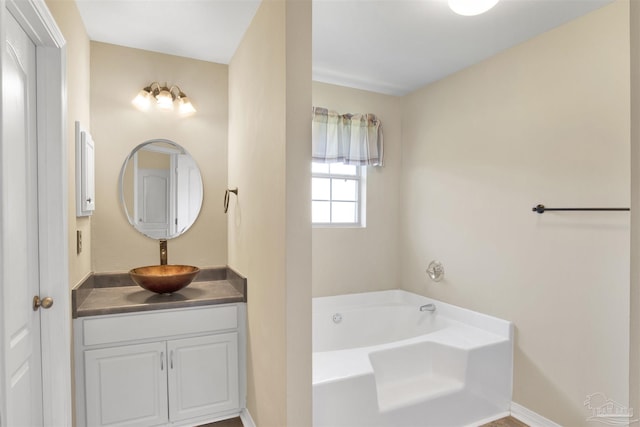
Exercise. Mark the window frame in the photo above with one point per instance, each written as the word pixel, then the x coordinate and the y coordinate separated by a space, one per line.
pixel 360 178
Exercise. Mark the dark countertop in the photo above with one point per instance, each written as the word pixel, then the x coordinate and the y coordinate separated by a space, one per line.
pixel 110 293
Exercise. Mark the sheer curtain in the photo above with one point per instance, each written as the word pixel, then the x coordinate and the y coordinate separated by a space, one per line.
pixel 353 139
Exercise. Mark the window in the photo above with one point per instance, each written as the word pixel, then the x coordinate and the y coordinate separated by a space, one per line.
pixel 337 194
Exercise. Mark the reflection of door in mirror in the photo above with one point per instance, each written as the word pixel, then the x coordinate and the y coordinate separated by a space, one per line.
pixel 155 190
pixel 189 192
pixel 152 202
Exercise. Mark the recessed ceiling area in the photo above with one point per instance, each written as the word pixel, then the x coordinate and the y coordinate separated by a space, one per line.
pixel 386 46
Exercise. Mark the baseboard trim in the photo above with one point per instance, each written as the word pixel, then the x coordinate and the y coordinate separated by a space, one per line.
pixel 529 417
pixel 488 420
pixel 519 412
pixel 245 416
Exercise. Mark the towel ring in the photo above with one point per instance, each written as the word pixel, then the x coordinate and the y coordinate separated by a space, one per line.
pixel 226 197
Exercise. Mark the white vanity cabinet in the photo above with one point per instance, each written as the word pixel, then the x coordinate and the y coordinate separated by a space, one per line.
pixel 166 367
pixel 126 385
pixel 203 373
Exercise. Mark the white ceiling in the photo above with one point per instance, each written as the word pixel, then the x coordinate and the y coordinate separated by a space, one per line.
pixel 387 46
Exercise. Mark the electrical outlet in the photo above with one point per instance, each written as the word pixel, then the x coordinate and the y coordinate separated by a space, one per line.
pixel 78 241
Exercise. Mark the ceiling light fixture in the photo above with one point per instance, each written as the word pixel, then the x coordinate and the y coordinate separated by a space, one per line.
pixel 164 97
pixel 471 7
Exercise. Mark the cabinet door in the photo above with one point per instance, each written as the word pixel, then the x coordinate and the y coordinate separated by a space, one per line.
pixel 203 375
pixel 126 386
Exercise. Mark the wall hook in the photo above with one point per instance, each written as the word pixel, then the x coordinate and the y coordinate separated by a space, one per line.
pixel 226 197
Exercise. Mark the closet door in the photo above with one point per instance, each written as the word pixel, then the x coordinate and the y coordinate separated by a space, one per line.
pixel 20 360
pixel 127 386
pixel 203 375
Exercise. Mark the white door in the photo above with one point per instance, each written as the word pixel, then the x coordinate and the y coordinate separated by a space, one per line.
pixel 20 231
pixel 126 386
pixel 153 202
pixel 203 375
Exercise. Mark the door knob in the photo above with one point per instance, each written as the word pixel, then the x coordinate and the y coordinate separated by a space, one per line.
pixel 45 302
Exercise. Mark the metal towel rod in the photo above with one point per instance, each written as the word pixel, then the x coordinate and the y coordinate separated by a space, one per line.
pixel 541 209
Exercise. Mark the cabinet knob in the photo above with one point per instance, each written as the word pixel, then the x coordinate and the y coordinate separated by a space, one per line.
pixel 45 302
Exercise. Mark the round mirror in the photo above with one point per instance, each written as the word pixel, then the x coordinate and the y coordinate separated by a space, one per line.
pixel 160 189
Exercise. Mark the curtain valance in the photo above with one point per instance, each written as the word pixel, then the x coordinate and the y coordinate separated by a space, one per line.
pixel 353 139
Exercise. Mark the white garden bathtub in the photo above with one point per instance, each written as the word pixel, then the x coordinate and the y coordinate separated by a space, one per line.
pixel 380 361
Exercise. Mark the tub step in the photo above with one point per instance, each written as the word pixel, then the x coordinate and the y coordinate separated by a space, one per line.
pixel 396 395
pixel 408 375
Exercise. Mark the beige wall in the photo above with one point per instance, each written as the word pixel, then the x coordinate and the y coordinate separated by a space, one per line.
pixel 634 342
pixel 349 260
pixel 544 122
pixel 77 51
pixel 117 75
pixel 269 222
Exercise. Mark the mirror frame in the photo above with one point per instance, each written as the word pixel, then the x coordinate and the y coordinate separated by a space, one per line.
pixel 123 204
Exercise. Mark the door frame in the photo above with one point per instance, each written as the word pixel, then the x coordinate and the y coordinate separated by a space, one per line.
pixel 51 107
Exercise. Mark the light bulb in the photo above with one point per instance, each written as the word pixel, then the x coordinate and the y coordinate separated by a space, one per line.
pixel 142 101
pixel 185 106
pixel 471 7
pixel 164 99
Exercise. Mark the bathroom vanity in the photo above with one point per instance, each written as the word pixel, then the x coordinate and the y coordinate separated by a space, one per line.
pixel 151 359
pixel 144 359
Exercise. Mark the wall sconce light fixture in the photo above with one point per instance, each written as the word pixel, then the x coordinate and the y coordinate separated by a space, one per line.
pixel 164 97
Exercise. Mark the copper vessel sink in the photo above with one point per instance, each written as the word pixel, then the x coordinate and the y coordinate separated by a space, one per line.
pixel 164 279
